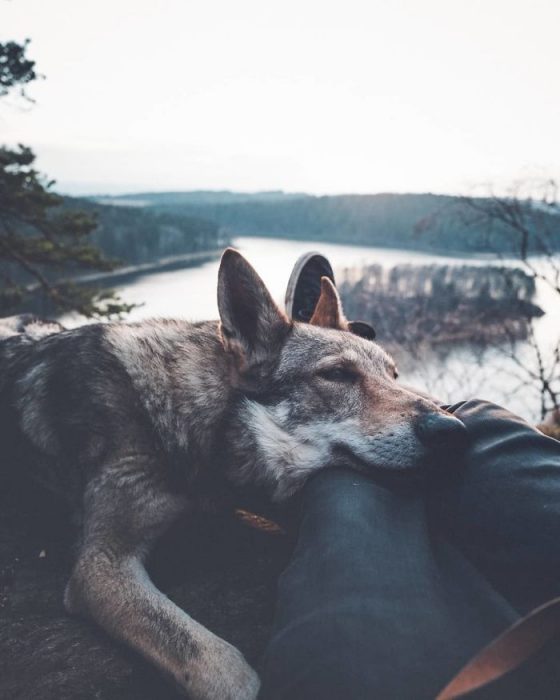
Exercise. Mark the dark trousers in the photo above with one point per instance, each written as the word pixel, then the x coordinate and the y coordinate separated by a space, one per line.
pixel 390 592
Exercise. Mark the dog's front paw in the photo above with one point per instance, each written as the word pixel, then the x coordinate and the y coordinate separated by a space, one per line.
pixel 218 671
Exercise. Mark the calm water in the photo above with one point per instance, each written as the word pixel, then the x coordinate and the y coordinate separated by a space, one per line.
pixel 191 294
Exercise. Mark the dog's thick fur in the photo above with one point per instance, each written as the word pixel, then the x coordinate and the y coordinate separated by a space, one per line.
pixel 137 423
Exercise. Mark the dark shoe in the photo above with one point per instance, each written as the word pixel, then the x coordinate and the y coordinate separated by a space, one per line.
pixel 304 285
pixel 361 328
pixel 304 289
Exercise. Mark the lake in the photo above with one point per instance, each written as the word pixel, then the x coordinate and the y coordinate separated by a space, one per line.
pixel 190 293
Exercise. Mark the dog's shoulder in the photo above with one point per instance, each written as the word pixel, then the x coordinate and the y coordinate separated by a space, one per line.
pixel 67 392
pixel 90 393
pixel 177 370
pixel 156 353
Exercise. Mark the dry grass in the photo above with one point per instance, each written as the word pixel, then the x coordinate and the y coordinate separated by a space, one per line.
pixel 551 430
pixel 551 426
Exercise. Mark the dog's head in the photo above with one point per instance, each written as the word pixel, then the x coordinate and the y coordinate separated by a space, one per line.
pixel 315 394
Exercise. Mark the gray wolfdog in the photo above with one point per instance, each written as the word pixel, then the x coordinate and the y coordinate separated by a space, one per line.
pixel 137 423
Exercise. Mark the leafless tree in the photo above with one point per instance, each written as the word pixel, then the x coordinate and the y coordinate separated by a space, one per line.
pixel 524 223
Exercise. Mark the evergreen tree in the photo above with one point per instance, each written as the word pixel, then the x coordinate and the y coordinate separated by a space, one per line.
pixel 43 245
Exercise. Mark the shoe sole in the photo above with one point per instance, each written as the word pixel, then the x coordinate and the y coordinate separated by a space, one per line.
pixel 294 278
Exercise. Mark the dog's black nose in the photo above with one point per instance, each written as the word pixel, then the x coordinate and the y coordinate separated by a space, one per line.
pixel 440 431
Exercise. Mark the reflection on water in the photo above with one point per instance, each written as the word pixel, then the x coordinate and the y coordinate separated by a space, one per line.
pixel 191 294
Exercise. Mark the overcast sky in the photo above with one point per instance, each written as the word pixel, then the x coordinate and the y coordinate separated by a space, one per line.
pixel 346 96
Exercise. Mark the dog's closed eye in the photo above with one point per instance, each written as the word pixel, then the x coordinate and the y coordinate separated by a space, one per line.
pixel 338 374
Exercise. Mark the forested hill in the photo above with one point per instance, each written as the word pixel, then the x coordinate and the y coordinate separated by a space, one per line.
pixel 138 235
pixel 390 220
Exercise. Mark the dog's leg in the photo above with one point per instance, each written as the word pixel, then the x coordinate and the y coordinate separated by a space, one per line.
pixel 126 510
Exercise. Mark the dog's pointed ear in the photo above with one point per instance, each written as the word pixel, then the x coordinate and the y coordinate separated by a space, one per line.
pixel 328 312
pixel 251 325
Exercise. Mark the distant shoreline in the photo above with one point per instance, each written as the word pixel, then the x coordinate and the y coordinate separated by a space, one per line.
pixel 440 252
pixel 175 262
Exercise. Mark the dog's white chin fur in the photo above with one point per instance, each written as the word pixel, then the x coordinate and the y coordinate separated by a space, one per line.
pixel 286 457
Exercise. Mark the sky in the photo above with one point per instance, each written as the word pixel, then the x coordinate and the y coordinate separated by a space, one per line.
pixel 298 95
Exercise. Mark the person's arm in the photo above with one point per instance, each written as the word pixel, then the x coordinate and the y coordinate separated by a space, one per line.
pixel 503 509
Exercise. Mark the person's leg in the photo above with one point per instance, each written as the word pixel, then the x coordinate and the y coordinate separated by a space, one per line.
pixel 372 604
pixel 503 512
pixel 503 509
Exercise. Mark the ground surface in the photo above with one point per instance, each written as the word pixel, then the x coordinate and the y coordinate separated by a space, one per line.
pixel 220 570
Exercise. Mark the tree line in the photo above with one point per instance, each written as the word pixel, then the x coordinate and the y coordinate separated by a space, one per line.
pixel 441 304
pixel 416 221
pixel 136 235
